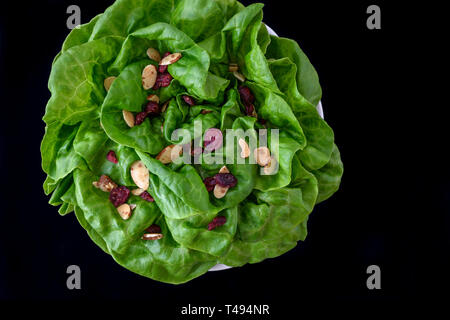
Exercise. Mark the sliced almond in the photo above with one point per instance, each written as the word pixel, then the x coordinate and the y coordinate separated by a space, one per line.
pixel 245 150
pixel 224 169
pixel 205 111
pixel 153 97
pixel 164 106
pixel 239 76
pixel 128 117
pixel 177 151
pixel 140 174
pixel 137 192
pixel 219 191
pixel 124 211
pixel 132 206
pixel 152 236
pixel 262 156
pixel 271 167
pixel 154 54
pixel 108 82
pixel 164 155
pixel 162 128
pixel 169 153
pixel 232 67
pixel 149 76
pixel 170 59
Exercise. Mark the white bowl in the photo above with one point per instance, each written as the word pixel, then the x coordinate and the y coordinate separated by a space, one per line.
pixel 221 266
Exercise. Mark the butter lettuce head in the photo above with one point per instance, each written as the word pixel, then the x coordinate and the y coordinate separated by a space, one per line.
pixel 266 215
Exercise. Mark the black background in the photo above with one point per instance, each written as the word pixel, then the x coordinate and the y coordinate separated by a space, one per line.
pixel 381 215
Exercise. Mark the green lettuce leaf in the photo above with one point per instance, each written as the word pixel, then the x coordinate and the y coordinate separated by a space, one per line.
pixel 126 16
pixel 265 215
pixel 307 78
pixel 191 70
pixel 273 108
pixel 193 232
pixel 127 93
pixel 319 135
pixel 251 57
pixel 76 81
pixel 200 19
pixel 80 34
pixel 329 176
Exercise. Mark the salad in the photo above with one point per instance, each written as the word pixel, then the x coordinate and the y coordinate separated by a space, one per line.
pixel 182 135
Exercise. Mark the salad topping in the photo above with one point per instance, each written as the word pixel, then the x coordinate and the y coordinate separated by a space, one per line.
pixel 119 195
pixel 153 54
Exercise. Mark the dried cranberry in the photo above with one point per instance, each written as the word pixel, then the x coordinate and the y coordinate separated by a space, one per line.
pixel 195 151
pixel 146 196
pixel 262 121
pixel 119 195
pixel 162 69
pixel 154 228
pixel 213 139
pixel 249 108
pixel 208 142
pixel 225 180
pixel 111 156
pixel 140 117
pixel 152 108
pixel 157 85
pixel 247 96
pixel 162 80
pixel 209 182
pixel 247 99
pixel 189 100
pixel 217 222
pixel 166 79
